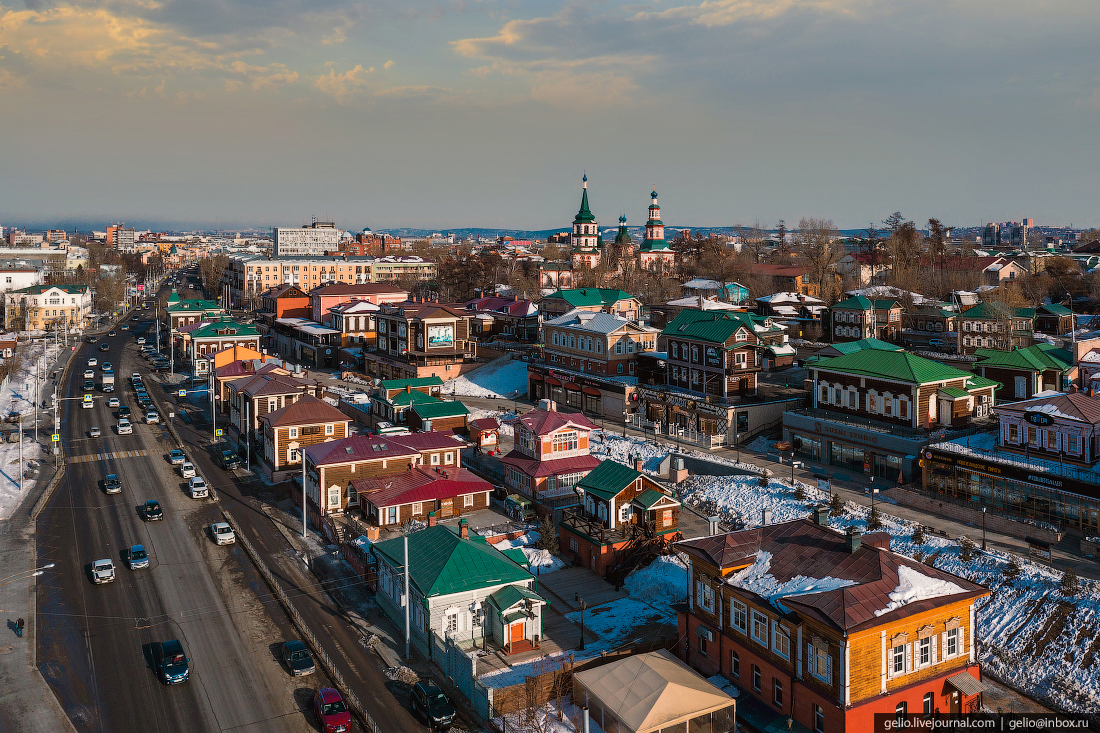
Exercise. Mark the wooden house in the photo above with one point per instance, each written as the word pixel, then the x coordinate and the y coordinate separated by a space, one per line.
pixel 388 501
pixel 289 430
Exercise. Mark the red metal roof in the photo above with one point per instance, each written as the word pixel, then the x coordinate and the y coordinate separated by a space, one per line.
pixel 543 422
pixel 420 484
pixel 307 410
pixel 535 467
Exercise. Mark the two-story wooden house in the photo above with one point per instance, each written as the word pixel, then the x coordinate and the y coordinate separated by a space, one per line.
pixel 421 339
pixel 550 456
pixel 994 325
pixel 619 504
pixel 389 501
pixel 268 388
pixel 861 318
pixel 1053 319
pixel 872 410
pixel 827 628
pixel 355 320
pixel 713 353
pixel 289 430
pixel 335 465
pixel 201 339
pixel 922 324
pixel 182 313
pixel 595 343
pixel 597 300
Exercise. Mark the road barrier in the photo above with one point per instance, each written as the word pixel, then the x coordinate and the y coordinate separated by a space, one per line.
pixel 303 629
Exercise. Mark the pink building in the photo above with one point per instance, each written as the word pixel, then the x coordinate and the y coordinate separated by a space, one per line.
pixel 324 297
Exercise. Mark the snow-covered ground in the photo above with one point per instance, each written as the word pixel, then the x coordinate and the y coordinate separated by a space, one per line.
pixel 608 444
pixel 18 395
pixel 477 413
pixel 503 377
pixel 541 559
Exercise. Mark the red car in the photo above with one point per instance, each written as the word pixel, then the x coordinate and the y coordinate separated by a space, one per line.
pixel 332 711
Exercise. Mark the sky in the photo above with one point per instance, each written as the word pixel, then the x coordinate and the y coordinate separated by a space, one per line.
pixel 414 113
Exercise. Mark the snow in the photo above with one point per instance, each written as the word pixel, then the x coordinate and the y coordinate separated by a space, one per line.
pixel 625 621
pixel 536 558
pixel 722 683
pixel 608 444
pixel 477 413
pixel 984 446
pixel 17 393
pixel 757 579
pixel 524 540
pixel 914 585
pixel 503 377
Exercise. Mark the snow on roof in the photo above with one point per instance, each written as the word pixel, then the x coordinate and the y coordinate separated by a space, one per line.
pixel 914 585
pixel 759 580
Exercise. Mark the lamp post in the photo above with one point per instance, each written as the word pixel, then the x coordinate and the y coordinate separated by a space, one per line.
pixel 26 574
pixel 983 529
pixel 624 422
pixel 583 606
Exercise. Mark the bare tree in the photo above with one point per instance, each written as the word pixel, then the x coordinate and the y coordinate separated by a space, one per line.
pixel 756 242
pixel 211 270
pixel 817 244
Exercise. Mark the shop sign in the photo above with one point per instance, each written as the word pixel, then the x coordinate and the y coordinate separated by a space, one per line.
pixel 1038 418
pixel 1060 483
pixel 714 357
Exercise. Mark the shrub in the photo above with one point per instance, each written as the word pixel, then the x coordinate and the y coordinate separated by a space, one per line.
pixel 875 520
pixel 836 506
pixel 1070 586
pixel 918 535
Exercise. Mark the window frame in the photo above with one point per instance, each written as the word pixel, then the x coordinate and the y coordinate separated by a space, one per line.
pixel 761 620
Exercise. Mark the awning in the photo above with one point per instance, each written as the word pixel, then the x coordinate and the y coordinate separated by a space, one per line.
pixel 553 382
pixel 534 376
pixel 574 387
pixel 965 683
pixel 591 390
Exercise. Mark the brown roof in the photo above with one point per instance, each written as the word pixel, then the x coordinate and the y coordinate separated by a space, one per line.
pixel 279 291
pixel 801 548
pixel 359 448
pixel 542 422
pixel 1077 405
pixel 269 382
pixel 780 270
pixel 307 410
pixel 341 288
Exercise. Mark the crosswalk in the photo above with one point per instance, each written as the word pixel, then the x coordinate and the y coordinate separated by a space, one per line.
pixel 105 456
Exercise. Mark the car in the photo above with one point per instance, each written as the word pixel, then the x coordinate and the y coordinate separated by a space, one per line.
pixel 187 470
pixel 223 534
pixel 297 658
pixel 89 385
pixel 135 377
pixel 153 510
pixel 93 361
pixel 124 411
pixel 173 666
pixel 112 484
pixel 197 486
pixel 141 340
pixel 161 367
pixel 113 402
pixel 332 712
pixel 90 339
pixel 124 427
pixel 937 343
pixel 135 318
pixel 111 333
pixel 89 374
pixel 103 571
pixel 94 432
pixel 125 326
pixel 107 367
pixel 137 557
pixel 104 347
pixel 430 702
pixel 176 456
pixel 152 416
pixel 229 460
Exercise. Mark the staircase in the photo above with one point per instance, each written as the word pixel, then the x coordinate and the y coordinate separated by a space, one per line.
pixel 638 553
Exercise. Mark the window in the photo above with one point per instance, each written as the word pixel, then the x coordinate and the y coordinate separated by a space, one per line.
pixel 619 348
pixel 1052 440
pixel 929 704
pixel 824 397
pixel 740 359
pixel 951 647
pixel 781 641
pixel 1074 443
pixel 555 338
pixel 675 352
pixel 448 458
pixel 703 645
pixel 619 368
pixel 897 663
pixel 573 544
pixel 435 459
pixel 924 647
pixel 819 719
pixel 417 508
pixel 467 500
pixel 330 429
pixel 452 623
pixel 777 692
pixel 756 678
pixel 899 711
pixel 760 628
pixel 739 616
pixel 565 441
pixel 704 594
pixel 735 664
pixel 293 432
pixel 1031 435
pixel 820 663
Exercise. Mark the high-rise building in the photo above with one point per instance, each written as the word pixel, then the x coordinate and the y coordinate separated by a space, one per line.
pixel 311 240
pixel 121 238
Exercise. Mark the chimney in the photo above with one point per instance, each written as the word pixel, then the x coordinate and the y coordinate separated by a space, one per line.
pixel 463 529
pixel 821 515
pixel 852 538
pixel 765 517
pixel 408 389
pixel 432 519
pixel 712 525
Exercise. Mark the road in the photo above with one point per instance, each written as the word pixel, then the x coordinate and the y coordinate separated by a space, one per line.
pixel 93 641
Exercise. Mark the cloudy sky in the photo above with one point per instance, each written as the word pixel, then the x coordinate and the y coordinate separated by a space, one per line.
pixel 485 113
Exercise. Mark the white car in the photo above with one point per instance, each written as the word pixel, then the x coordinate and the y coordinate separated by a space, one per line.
pixel 89 373
pixel 113 402
pixel 222 533
pixel 197 486
pixel 141 340
pixel 152 416
pixel 124 427
pixel 103 571
pixel 93 361
pixel 94 432
pixel 187 470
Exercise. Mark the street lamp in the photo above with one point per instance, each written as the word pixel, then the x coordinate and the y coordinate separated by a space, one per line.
pixel 983 529
pixel 583 606
pixel 27 574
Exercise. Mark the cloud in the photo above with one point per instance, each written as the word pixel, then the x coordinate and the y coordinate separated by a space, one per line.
pixel 360 84
pixel 712 13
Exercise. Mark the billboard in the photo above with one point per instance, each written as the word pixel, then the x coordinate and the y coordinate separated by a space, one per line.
pixel 441 336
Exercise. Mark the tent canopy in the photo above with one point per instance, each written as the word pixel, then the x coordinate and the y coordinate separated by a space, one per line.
pixel 647 692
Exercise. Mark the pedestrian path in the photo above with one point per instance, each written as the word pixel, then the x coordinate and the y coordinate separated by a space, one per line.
pixel 90 457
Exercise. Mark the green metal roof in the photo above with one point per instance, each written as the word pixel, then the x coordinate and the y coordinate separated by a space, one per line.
pixel 578 297
pixel 977 382
pixel 584 214
pixel 883 304
pixel 898 365
pixel 39 289
pixel 193 305
pixel 510 595
pixel 993 310
pixel 405 399
pixel 955 392
pixel 648 498
pixel 608 479
pixel 1055 309
pixel 654 245
pixel 515 554
pixel 1032 358
pixel 210 330
pixel 442 563
pixel 414 383
pixel 855 303
pixel 430 410
pixel 713 326
pixel 851 347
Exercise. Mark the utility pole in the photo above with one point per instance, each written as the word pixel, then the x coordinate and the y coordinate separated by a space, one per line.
pixel 406 600
pixel 304 493
pixel 248 443
pixel 213 412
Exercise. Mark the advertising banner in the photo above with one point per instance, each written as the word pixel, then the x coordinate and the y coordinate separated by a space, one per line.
pixel 439 336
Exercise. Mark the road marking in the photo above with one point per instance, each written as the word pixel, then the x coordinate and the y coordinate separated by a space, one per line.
pixel 101 456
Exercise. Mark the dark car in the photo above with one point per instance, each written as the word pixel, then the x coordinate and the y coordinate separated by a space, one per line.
pixel 111 333
pixel 112 484
pixel 90 339
pixel 89 385
pixel 153 512
pixel 104 347
pixel 172 664
pixel 229 460
pixel 298 659
pixel 430 702
pixel 124 411
pixel 332 711
pixel 161 367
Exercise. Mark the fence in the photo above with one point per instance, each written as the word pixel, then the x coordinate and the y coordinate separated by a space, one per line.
pixel 492 470
pixel 303 629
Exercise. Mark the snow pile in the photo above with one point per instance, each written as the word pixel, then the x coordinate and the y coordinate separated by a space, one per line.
pixel 501 377
pixel 18 395
pixel 477 413
pixel 626 621
pixel 731 496
pixel 661 583
pixel 914 585
pixel 760 444
pixel 758 579
pixel 608 444
pixel 523 540
pixel 542 560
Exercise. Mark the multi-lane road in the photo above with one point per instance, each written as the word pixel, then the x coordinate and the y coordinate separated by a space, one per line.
pixel 94 640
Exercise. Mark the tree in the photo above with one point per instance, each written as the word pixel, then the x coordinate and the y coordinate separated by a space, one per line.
pixel 755 242
pixel 1087 236
pixel 548 536
pixel 1069 586
pixel 211 270
pixel 918 536
pixel 1011 571
pixel 109 292
pixel 904 249
pixel 874 521
pixel 893 222
pixel 554 252
pixel 781 232
pixel 817 244
pixel 836 506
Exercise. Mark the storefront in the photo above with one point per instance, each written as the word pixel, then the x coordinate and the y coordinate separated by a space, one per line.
pixel 593 397
pixel 845 447
pixel 1014 487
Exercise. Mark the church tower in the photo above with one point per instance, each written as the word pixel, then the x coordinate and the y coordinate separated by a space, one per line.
pixel 585 239
pixel 655 253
